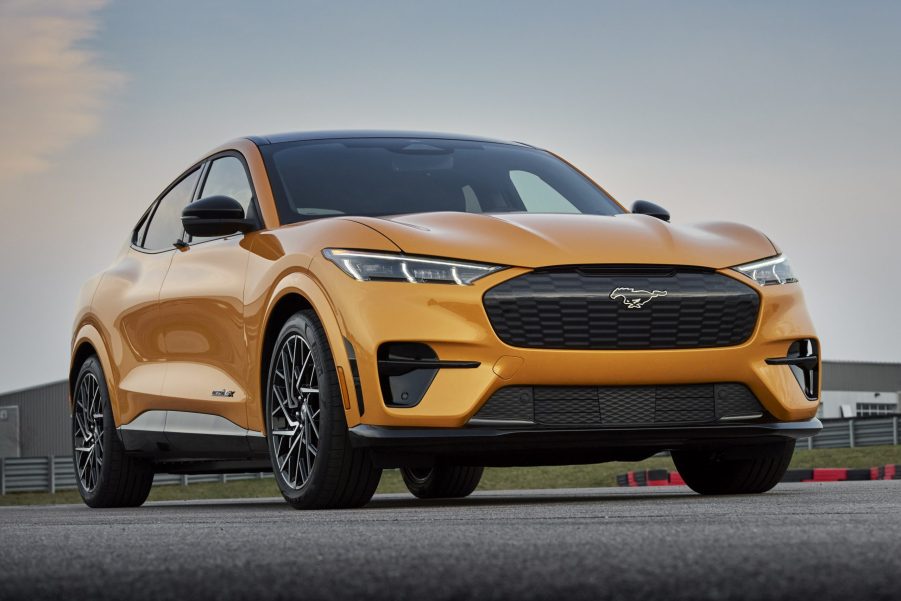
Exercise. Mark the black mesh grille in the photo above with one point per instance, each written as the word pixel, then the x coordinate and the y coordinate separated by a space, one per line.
pixel 620 405
pixel 735 400
pixel 511 403
pixel 566 405
pixel 589 308
pixel 633 405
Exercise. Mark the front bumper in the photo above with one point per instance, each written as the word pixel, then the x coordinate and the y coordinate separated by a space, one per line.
pixel 399 447
pixel 453 322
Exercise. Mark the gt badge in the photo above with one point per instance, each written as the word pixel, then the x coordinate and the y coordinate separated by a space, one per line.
pixel 635 299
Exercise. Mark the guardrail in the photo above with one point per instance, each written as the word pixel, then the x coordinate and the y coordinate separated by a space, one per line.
pixel 50 474
pixel 854 432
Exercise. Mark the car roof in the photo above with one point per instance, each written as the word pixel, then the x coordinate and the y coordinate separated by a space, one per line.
pixel 362 133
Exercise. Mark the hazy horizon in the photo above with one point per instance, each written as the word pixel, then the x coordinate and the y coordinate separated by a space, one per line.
pixel 781 116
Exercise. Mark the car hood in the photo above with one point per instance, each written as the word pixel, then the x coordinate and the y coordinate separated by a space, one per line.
pixel 537 240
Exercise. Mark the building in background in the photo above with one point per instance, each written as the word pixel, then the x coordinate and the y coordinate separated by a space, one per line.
pixel 857 389
pixel 35 422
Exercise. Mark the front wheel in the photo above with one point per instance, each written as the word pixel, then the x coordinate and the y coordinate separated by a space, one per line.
pixel 106 475
pixel 749 470
pixel 442 481
pixel 314 463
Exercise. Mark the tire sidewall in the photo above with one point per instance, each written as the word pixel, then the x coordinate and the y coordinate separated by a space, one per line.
pixel 417 485
pixel 709 474
pixel 443 481
pixel 93 497
pixel 329 418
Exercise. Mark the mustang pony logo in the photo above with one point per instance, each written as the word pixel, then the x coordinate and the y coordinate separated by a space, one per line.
pixel 635 299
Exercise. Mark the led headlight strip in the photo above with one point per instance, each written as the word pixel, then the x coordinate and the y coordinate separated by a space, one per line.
pixel 373 266
pixel 769 272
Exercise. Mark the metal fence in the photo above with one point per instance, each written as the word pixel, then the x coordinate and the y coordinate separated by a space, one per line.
pixel 854 432
pixel 50 474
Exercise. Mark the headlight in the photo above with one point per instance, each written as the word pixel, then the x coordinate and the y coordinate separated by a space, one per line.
pixel 769 271
pixel 370 266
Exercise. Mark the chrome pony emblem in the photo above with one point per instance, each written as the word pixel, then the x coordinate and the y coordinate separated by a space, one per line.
pixel 635 299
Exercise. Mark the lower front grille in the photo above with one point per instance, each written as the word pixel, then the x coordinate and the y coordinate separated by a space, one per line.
pixel 620 405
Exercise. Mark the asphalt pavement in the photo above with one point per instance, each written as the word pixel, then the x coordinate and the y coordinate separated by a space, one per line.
pixel 800 541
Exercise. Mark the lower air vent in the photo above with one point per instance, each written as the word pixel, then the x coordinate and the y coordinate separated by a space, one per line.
pixel 621 405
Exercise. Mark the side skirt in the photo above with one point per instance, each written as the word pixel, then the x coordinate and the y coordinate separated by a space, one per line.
pixel 215 467
pixel 185 436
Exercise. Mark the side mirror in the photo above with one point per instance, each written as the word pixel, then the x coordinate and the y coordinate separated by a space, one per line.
pixel 646 207
pixel 215 216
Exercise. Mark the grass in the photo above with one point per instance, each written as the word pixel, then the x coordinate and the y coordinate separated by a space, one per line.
pixel 576 476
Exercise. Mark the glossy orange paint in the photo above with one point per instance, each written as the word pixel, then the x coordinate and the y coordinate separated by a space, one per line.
pixel 171 327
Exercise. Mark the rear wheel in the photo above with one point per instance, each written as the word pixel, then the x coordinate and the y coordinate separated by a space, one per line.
pixel 314 464
pixel 442 481
pixel 106 476
pixel 749 470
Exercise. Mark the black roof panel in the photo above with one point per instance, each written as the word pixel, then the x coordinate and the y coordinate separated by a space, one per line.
pixel 363 133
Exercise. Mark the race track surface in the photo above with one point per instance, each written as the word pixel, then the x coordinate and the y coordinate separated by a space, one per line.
pixel 800 541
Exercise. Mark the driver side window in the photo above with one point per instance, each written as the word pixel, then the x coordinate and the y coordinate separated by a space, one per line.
pixel 227 177
pixel 164 225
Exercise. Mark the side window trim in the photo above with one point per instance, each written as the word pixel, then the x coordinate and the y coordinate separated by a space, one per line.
pixel 198 186
pixel 204 172
pixel 137 236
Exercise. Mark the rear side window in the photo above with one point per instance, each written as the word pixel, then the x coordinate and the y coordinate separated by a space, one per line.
pixel 165 225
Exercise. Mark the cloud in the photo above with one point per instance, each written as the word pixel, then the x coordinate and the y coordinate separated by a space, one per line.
pixel 52 89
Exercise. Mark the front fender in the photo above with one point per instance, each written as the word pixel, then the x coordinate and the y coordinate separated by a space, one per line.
pixel 755 243
pixel 302 284
pixel 87 334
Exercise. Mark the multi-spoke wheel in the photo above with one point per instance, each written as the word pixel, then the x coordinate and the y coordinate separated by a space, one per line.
pixel 295 412
pixel 314 464
pixel 88 424
pixel 442 481
pixel 106 476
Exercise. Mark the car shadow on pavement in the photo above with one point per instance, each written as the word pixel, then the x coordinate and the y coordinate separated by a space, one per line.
pixel 486 499
pixel 519 499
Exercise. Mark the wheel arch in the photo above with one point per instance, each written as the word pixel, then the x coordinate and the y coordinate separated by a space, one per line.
pixel 86 342
pixel 299 292
pixel 287 305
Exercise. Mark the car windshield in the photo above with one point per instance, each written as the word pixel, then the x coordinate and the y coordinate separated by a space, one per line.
pixel 393 176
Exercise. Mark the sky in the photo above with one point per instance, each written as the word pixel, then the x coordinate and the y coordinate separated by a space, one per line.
pixel 782 115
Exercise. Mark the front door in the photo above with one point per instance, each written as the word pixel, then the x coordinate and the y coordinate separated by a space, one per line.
pixel 201 313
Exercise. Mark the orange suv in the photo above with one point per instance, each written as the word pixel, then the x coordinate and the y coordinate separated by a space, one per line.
pixel 328 305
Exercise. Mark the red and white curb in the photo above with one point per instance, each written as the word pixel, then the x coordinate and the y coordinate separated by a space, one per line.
pixel 661 477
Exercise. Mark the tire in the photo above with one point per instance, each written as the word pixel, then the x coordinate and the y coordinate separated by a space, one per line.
pixel 106 475
pixel 324 471
pixel 442 481
pixel 749 470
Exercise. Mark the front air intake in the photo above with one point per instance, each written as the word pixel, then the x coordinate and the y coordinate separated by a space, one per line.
pixel 620 406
